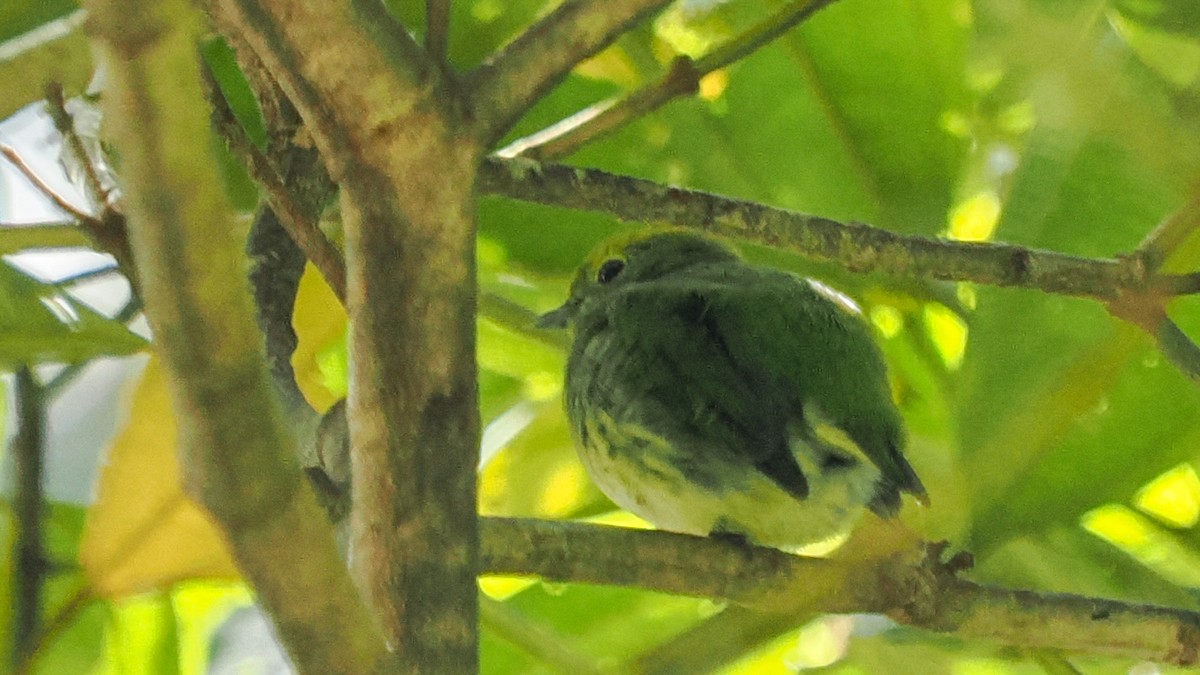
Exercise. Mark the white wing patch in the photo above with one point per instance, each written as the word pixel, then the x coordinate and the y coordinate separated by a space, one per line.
pixel 837 297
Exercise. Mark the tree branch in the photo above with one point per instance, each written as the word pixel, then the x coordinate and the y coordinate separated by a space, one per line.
pixel 1178 348
pixel 1148 310
pixel 105 232
pixel 519 319
pixel 437 29
pixel 683 78
pixel 410 296
pixel 915 588
pixel 857 247
pixel 29 562
pixel 42 186
pixel 238 457
pixel 294 218
pixel 516 77
pixel 56 105
pixel 1163 241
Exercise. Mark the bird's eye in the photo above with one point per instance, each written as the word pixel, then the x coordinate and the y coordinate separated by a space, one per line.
pixel 610 270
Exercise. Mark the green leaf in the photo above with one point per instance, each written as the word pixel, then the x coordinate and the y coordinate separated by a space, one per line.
pixel 40 323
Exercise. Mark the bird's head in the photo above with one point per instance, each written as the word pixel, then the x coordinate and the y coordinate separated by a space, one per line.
pixel 635 258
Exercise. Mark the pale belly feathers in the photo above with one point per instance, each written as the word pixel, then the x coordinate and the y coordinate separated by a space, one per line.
pixel 747 503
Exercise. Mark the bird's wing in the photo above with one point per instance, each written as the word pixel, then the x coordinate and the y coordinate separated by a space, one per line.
pixel 688 376
pixel 831 366
pixel 790 352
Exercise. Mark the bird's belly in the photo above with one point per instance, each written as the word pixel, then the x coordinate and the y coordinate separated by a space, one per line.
pixel 644 480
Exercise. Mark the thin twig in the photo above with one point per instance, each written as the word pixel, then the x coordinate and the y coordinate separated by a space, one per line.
pixel 106 231
pixel 519 319
pixel 71 371
pixel 512 80
pixel 56 104
pixel 912 587
pixel 1157 246
pixel 43 187
pixel 1146 308
pixel 29 557
pixel 62 619
pixel 1179 349
pixel 761 34
pixel 437 29
pixel 683 78
pixel 302 229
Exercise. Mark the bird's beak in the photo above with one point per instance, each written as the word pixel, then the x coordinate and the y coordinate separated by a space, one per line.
pixel 557 318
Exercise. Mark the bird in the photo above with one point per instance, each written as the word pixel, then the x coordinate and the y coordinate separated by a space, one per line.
pixel 713 397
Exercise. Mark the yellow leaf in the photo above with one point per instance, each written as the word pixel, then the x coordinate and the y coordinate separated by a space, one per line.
pixel 975 218
pixel 1173 497
pixel 142 532
pixel 320 357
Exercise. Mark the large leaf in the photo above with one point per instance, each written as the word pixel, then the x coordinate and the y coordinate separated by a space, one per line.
pixel 143 533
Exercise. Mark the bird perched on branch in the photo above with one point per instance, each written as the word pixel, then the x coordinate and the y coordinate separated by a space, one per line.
pixel 710 396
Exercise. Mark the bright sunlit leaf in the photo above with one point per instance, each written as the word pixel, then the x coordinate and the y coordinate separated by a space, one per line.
pixel 974 218
pixel 503 588
pixel 1018 118
pixel 200 608
pixel 1145 542
pixel 563 491
pixel 612 65
pixel 887 319
pixel 1173 497
pixel 948 332
pixel 142 636
pixel 687 32
pixel 1174 57
pixel 714 84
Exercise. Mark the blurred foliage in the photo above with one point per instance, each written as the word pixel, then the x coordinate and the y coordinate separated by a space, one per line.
pixel 39 322
pixel 1057 443
pixel 141 519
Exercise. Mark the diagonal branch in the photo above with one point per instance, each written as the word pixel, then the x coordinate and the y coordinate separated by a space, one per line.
pixel 682 79
pixel 1148 309
pixel 512 80
pixel 43 187
pixel 857 247
pixel 915 588
pixel 292 216
pixel 1179 349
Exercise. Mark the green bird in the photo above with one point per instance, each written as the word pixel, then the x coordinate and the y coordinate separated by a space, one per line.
pixel 710 396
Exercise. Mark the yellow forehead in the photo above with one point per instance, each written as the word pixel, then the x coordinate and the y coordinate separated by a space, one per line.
pixel 614 247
